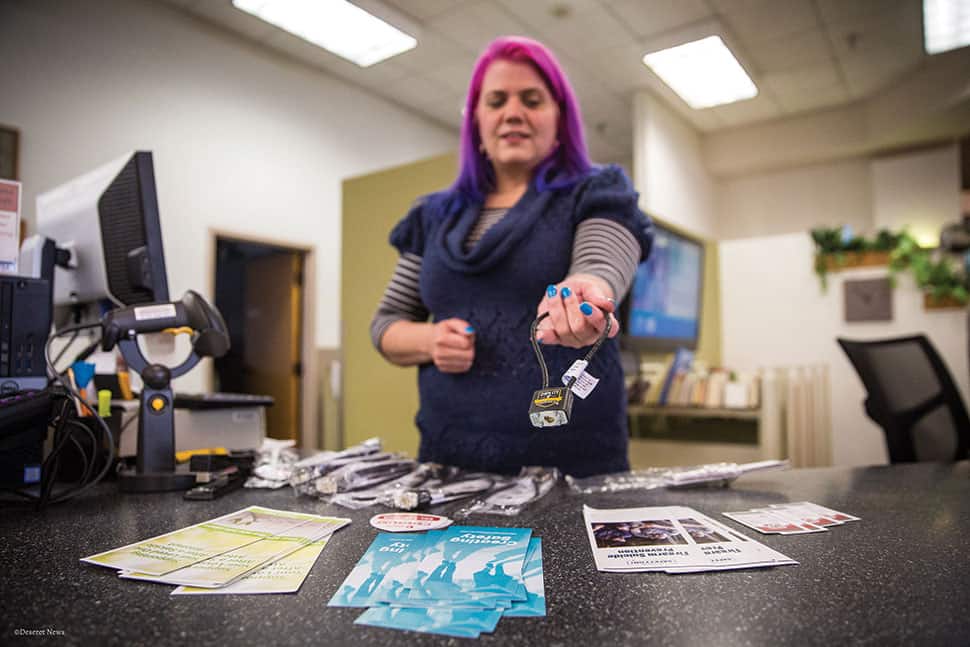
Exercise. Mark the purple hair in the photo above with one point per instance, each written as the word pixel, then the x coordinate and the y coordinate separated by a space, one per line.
pixel 565 165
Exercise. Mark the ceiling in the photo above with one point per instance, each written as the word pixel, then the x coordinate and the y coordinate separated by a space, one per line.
pixel 803 55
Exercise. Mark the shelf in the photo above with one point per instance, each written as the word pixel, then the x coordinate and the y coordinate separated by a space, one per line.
pixel 855 259
pixel 693 412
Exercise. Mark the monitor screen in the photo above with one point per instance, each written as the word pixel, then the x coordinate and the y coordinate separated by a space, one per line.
pixel 664 305
pixel 108 221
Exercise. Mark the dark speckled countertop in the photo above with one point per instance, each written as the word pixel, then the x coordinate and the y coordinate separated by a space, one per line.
pixel 900 576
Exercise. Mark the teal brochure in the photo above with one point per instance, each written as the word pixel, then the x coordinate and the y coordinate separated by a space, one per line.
pixel 419 563
pixel 474 562
pixel 381 571
pixel 535 605
pixel 464 623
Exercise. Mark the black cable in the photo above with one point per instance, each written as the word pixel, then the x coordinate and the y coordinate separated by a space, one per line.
pixel 66 346
pixel 587 358
pixel 88 465
pixel 77 398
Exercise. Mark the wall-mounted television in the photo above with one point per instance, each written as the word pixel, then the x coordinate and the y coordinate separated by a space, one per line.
pixel 663 309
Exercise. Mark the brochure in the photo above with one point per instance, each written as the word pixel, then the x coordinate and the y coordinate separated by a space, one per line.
pixel 672 539
pixel 382 572
pixel 285 575
pixel 535 604
pixel 181 548
pixel 464 623
pixel 223 569
pixel 472 562
pixel 457 581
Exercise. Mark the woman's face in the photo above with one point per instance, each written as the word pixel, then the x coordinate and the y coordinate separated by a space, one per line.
pixel 517 116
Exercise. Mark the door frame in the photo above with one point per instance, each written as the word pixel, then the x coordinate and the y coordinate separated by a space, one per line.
pixel 309 428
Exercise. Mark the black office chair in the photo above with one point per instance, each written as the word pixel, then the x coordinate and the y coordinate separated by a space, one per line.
pixel 912 397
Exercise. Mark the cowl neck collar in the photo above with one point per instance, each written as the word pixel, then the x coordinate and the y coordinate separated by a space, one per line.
pixel 498 241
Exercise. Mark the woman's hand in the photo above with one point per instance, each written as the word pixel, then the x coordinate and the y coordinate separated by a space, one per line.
pixel 578 307
pixel 452 345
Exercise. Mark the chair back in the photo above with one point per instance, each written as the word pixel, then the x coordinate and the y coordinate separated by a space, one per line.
pixel 913 397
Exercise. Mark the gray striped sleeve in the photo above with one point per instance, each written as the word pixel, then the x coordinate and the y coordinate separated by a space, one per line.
pixel 606 249
pixel 401 300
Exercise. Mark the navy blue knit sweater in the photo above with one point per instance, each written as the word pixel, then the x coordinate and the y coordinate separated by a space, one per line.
pixel 479 419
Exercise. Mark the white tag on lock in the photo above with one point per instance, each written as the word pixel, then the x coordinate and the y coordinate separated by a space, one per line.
pixel 585 383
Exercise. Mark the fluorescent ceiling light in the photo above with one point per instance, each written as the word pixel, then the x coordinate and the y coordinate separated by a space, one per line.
pixel 946 25
pixel 704 73
pixel 335 25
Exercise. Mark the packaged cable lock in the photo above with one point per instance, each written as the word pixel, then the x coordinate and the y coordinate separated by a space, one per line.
pixel 551 405
pixel 529 486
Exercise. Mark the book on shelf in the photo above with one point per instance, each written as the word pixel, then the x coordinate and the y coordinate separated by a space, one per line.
pixel 682 361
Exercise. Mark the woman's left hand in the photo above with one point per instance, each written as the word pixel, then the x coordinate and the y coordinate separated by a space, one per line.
pixel 578 307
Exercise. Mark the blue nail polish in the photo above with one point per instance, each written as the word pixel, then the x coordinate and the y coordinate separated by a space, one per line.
pixel 566 291
pixel 551 291
pixel 586 309
pixel 539 340
pixel 469 329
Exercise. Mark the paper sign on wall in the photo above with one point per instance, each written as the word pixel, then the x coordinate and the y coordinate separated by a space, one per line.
pixel 9 226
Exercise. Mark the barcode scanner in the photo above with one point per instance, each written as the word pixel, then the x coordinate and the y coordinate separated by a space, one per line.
pixel 192 315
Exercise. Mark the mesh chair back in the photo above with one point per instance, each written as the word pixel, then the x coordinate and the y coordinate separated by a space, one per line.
pixel 912 396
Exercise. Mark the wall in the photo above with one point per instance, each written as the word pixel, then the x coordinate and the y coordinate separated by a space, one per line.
pixel 244 141
pixel 918 190
pixel 797 199
pixel 379 398
pixel 669 169
pixel 675 187
pixel 774 313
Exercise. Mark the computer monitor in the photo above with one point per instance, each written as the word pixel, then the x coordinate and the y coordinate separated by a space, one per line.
pixel 108 220
pixel 662 312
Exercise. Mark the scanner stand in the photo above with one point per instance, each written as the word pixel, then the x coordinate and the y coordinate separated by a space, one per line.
pixel 155 463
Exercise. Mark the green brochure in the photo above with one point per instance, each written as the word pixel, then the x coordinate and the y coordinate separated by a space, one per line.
pixel 182 548
pixel 285 575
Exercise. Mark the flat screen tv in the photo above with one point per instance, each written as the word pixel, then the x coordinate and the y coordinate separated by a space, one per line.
pixel 663 309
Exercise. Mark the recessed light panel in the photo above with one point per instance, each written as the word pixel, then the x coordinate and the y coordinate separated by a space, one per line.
pixel 704 73
pixel 946 25
pixel 335 25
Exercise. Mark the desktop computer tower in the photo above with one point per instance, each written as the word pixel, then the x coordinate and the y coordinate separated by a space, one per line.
pixel 25 323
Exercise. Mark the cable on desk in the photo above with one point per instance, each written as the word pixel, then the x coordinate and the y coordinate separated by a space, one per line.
pixel 66 423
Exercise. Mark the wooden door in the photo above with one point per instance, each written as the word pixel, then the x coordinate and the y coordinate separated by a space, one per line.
pixel 274 310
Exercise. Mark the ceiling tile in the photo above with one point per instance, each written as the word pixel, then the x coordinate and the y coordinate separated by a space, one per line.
pixel 476 25
pixel 789 52
pixel 803 79
pixel 738 6
pixel 224 14
pixel 423 10
pixel 620 67
pixel 537 14
pixel 873 70
pixel 835 11
pixel 585 31
pixel 900 28
pixel 434 50
pixel 749 111
pixel 417 90
pixel 802 100
pixel 772 20
pixel 649 19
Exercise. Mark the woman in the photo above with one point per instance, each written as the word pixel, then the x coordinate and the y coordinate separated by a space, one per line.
pixel 529 227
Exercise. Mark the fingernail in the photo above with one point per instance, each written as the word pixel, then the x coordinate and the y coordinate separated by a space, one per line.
pixel 585 308
pixel 566 291
pixel 469 329
pixel 551 291
pixel 539 339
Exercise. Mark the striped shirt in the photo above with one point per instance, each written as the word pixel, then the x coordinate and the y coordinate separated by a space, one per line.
pixel 601 247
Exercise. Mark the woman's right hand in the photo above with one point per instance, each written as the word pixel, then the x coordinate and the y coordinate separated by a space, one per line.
pixel 452 345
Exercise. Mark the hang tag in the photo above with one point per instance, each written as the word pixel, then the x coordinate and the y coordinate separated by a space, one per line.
pixel 585 383
pixel 408 522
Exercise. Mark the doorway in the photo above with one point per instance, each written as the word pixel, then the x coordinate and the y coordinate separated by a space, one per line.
pixel 260 291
